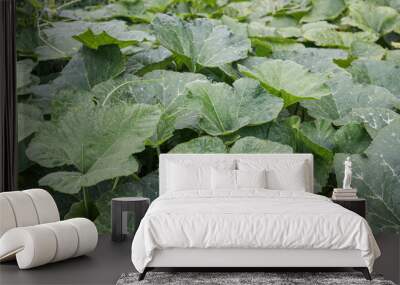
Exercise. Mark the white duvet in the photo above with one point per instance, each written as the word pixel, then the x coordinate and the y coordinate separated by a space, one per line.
pixel 250 219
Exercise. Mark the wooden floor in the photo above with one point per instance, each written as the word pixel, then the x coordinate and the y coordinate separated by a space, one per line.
pixel 103 266
pixel 111 259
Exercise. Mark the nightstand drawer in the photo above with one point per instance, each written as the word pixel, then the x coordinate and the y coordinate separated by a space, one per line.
pixel 357 206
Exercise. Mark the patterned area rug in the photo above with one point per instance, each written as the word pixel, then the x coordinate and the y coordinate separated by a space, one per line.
pixel 244 278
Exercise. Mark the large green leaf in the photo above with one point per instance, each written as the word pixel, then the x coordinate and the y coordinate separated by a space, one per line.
pixel 78 209
pixel 147 186
pixel 367 50
pixel 261 30
pixel 97 141
pixel 121 38
pixel 148 60
pixel 347 95
pixel 24 77
pixel 283 131
pixel 200 42
pixel 73 76
pixel 288 80
pixel 224 109
pixel 137 11
pixel 162 87
pixel 393 56
pixel 315 59
pixel 318 137
pixel 324 10
pixel 371 18
pixel 66 99
pixel 282 7
pixel 326 36
pixel 377 72
pixel 203 144
pixel 351 138
pixel 256 145
pixel 373 118
pixel 168 89
pixel 30 118
pixel 376 178
pixel 102 64
pixel 60 36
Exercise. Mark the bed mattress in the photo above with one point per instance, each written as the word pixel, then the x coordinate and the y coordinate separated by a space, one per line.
pixel 250 219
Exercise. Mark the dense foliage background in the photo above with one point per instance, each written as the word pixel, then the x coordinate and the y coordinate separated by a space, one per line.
pixel 105 86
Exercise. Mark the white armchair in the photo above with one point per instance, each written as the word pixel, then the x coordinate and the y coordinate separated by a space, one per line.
pixel 31 230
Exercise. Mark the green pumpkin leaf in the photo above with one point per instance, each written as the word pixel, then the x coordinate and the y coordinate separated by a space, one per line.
pixel 347 95
pixel 259 131
pixel 283 131
pixel 168 89
pixel 122 39
pixel 371 18
pixel 78 210
pixel 322 169
pixel 318 136
pixel 367 50
pixel 148 60
pixel 376 178
pixel 73 76
pixel 351 138
pixel 24 77
pixel 377 72
pixel 203 144
pixel 65 38
pixel 135 11
pixel 393 56
pixel 288 80
pixel 373 119
pixel 102 64
pixel 324 10
pixel 327 35
pixel 256 145
pixel 224 110
pixel 30 118
pixel 239 10
pixel 97 141
pixel 315 59
pixel 200 42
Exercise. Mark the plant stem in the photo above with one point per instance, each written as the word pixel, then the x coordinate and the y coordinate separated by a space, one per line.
pixel 85 201
pixel 67 4
pixel 116 180
pixel 135 177
pixel 158 150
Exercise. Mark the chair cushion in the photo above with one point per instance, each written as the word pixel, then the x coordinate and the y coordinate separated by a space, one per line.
pixel 40 244
pixel 26 208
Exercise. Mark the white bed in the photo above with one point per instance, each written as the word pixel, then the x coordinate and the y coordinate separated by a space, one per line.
pixel 249 227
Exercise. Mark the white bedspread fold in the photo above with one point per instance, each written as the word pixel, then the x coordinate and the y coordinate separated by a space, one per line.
pixel 250 218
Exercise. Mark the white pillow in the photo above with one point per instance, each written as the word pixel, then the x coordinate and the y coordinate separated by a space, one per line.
pixel 281 174
pixel 251 178
pixel 182 177
pixel 223 179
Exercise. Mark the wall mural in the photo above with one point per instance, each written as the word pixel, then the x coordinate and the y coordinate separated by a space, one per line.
pixel 105 87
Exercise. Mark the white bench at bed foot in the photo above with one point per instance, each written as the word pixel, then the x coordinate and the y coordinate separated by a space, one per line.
pixel 31 233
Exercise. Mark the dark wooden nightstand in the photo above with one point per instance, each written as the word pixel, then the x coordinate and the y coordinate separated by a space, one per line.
pixel 358 206
pixel 119 214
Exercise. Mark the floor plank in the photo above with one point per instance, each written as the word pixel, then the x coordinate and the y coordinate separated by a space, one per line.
pixel 103 266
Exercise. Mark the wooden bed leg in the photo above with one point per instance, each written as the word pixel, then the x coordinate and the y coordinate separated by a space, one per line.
pixel 365 272
pixel 143 274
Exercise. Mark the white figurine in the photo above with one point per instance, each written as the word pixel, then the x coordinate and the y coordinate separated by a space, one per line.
pixel 347 174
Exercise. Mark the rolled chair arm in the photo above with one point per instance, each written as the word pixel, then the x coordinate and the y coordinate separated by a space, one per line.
pixel 40 244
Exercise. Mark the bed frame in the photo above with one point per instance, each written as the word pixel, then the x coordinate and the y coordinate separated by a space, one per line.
pixel 246 258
